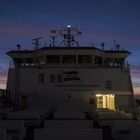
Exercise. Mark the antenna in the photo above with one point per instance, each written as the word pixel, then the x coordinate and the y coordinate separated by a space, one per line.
pixel 92 44
pixel 53 37
pixel 36 42
pixel 103 45
pixel 18 47
pixel 118 47
pixel 115 44
pixel 68 33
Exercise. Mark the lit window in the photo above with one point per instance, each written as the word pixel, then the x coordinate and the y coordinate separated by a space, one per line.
pixel 41 78
pixel 105 101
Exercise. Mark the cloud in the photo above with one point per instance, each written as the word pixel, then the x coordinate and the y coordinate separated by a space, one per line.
pixel 115 35
pixel 3 80
pixel 137 90
pixel 3 68
pixel 3 72
pixel 21 30
pixel 3 75
pixel 135 69
pixel 135 74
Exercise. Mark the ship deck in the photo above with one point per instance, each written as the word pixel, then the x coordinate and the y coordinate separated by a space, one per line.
pixel 67 122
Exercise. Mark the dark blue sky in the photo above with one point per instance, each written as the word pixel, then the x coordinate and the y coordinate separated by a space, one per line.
pixel 99 20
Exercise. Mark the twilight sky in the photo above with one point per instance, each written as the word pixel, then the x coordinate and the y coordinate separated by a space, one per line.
pixel 99 21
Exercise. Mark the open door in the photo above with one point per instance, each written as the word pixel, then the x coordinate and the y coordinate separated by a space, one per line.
pixel 105 101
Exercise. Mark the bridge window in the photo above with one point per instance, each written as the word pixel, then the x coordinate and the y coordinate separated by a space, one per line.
pixel 114 61
pixel 18 61
pixel 109 61
pixel 39 59
pixel 85 59
pixel 119 61
pixel 53 58
pixel 29 60
pixel 98 60
pixel 69 59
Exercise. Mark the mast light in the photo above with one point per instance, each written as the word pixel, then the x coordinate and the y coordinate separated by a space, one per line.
pixel 68 25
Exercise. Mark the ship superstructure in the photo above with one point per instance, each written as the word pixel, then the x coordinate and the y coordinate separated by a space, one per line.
pixel 54 75
pixel 66 91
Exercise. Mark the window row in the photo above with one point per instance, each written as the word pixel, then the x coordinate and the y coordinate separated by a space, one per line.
pixel 54 78
pixel 71 59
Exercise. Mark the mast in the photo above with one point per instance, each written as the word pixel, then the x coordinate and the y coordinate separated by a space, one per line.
pixel 36 42
pixel 68 33
pixel 69 37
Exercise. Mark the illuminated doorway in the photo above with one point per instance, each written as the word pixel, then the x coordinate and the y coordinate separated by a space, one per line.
pixel 105 101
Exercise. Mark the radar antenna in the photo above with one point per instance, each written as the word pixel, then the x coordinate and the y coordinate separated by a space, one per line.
pixel 53 38
pixel 68 34
pixel 36 42
pixel 103 45
pixel 116 46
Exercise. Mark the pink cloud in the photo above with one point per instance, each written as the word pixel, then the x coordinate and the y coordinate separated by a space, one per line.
pixel 137 90
pixel 2 86
pixel 135 69
pixel 30 30
pixel 21 30
pixel 110 36
pixel 135 74
pixel 3 80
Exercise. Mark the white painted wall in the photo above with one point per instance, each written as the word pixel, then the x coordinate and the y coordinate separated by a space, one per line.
pixel 92 81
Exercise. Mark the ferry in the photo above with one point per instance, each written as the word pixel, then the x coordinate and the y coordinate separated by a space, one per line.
pixel 68 91
pixel 51 75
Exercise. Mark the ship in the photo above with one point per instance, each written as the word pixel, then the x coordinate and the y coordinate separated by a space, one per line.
pixel 68 91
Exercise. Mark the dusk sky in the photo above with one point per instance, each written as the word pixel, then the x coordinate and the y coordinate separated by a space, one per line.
pixel 99 21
